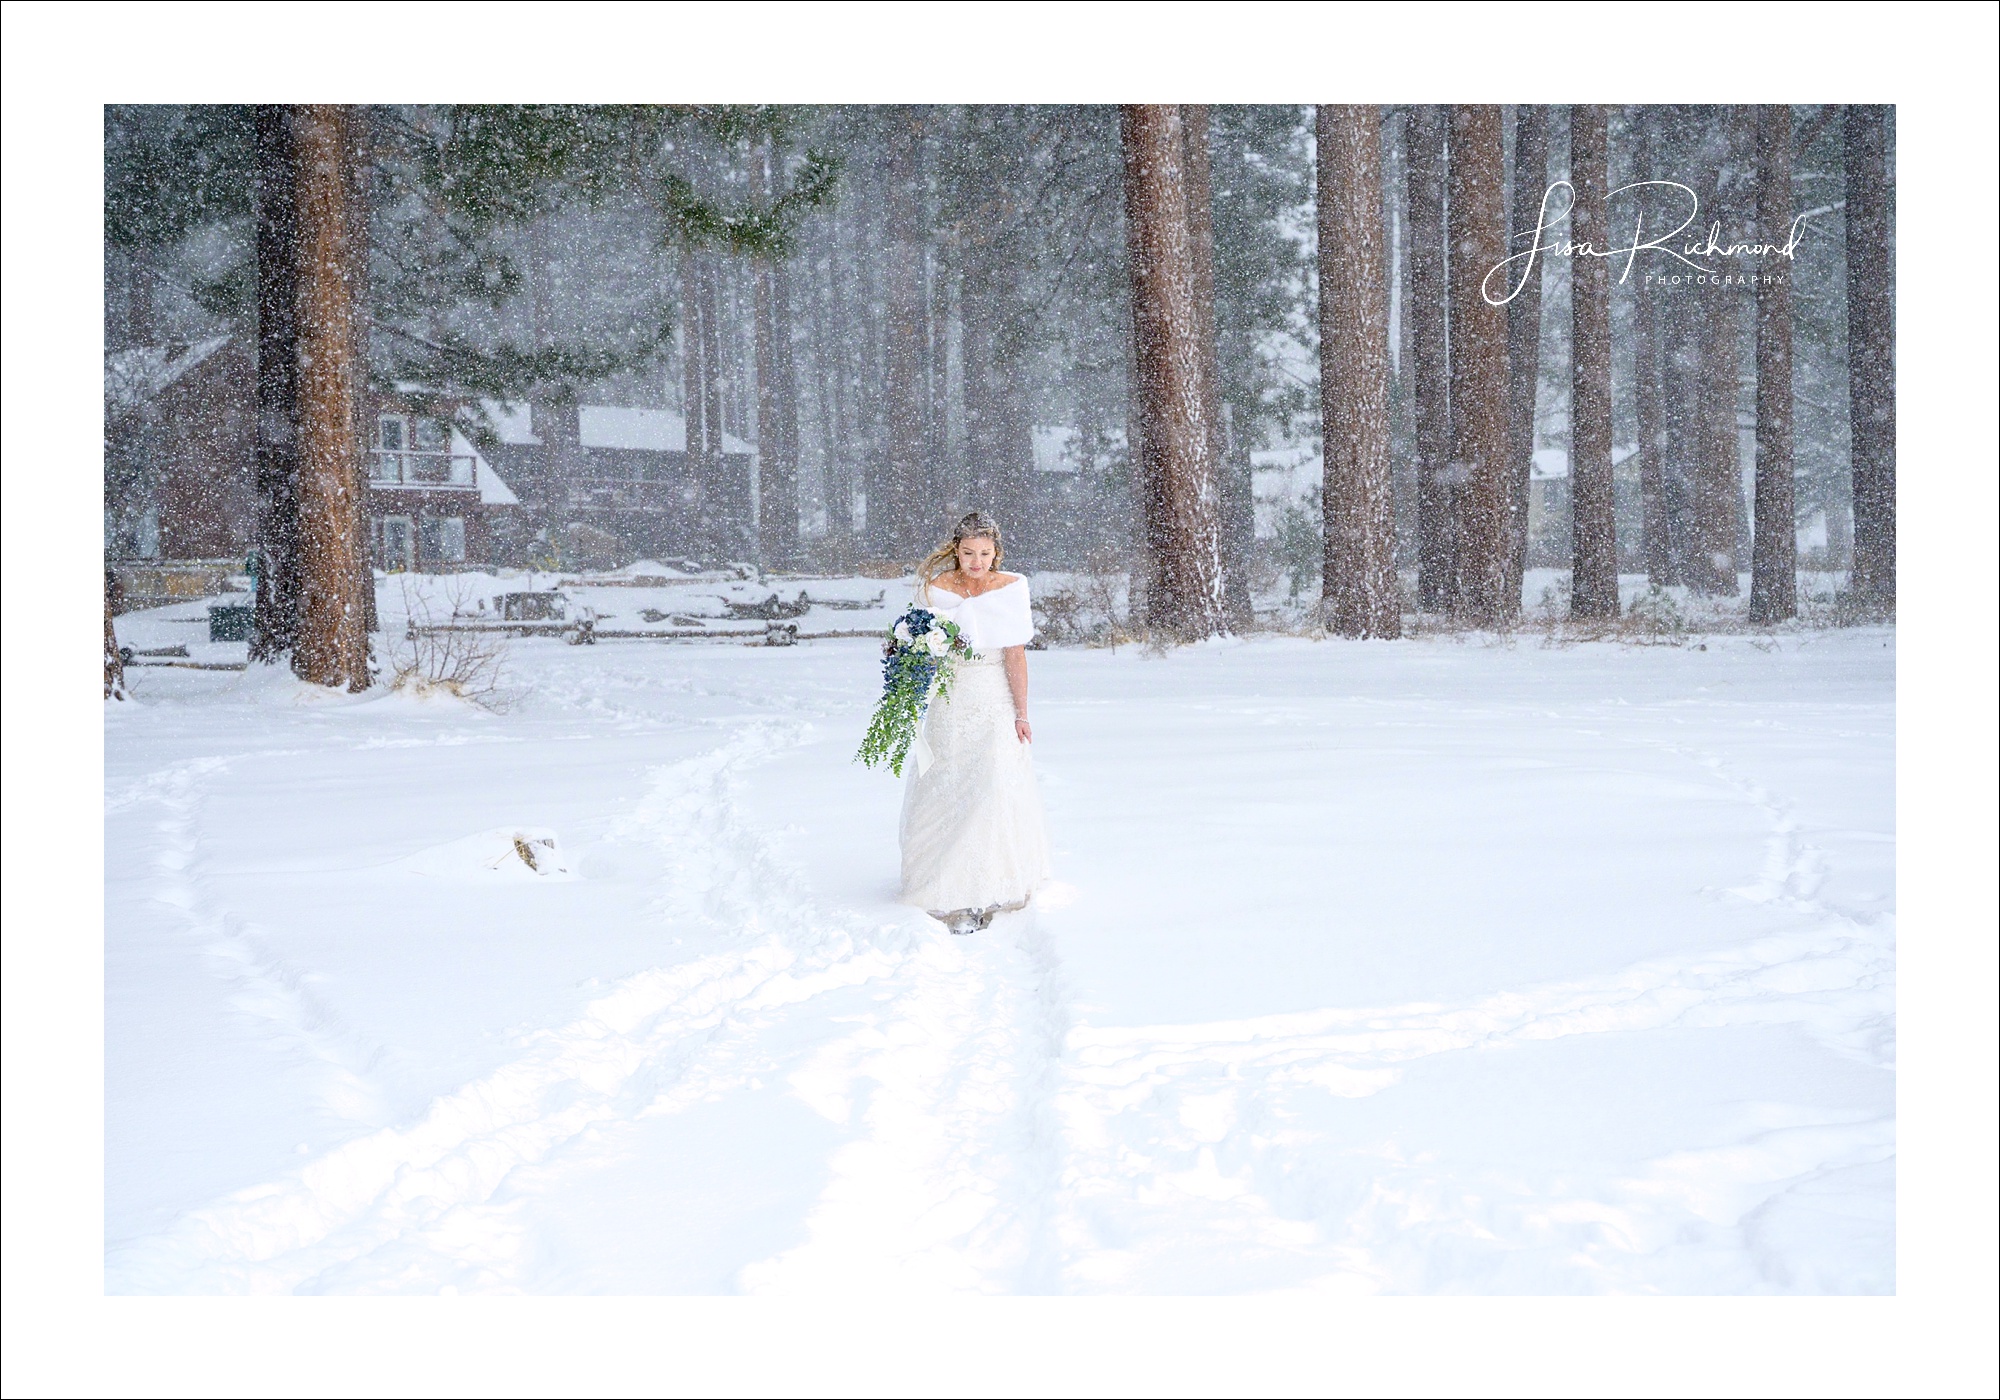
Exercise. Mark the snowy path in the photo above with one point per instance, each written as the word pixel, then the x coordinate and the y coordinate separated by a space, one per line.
pixel 1396 1053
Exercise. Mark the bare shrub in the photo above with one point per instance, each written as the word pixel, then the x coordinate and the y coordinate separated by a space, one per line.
pixel 1091 608
pixel 451 652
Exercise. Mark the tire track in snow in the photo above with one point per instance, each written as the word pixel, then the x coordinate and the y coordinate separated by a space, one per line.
pixel 409 1206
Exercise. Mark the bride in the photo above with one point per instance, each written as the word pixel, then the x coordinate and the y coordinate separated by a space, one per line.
pixel 972 836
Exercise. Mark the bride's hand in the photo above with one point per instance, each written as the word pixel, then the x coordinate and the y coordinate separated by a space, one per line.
pixel 1023 732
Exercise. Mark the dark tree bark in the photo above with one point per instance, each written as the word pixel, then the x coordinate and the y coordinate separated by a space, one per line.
pixel 830 365
pixel 1524 328
pixel 1774 523
pixel 910 517
pixel 1360 597
pixel 1682 309
pixel 361 156
pixel 999 429
pixel 1437 569
pixel 694 379
pixel 1201 228
pixel 1871 352
pixel 1184 596
pixel 1719 475
pixel 1646 387
pixel 114 664
pixel 1593 528
pixel 723 532
pixel 1477 219
pixel 331 647
pixel 777 449
pixel 277 596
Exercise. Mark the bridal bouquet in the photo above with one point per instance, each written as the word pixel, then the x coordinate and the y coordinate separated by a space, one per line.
pixel 917 662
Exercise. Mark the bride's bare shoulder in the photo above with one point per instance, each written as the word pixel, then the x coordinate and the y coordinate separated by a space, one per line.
pixel 945 582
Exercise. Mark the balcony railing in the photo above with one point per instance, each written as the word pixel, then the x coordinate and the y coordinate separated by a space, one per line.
pixel 438 470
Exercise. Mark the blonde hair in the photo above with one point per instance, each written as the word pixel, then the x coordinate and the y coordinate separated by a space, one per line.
pixel 943 559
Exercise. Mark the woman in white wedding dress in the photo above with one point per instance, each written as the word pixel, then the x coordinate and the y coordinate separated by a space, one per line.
pixel 972 836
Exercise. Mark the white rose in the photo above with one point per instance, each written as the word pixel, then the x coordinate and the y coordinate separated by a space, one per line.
pixel 936 643
pixel 903 633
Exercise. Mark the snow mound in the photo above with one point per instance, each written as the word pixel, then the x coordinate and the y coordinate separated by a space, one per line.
pixel 501 853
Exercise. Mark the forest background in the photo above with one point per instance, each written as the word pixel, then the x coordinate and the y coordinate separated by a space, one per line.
pixel 918 310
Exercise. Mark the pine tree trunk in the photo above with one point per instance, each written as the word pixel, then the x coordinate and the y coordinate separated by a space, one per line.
pixel 785 487
pixel 1871 352
pixel 911 517
pixel 1774 526
pixel 830 364
pixel 1646 386
pixel 1682 309
pixel 114 664
pixel 1593 527
pixel 1184 600
pixel 1360 596
pixel 1524 329
pixel 725 530
pixel 1201 229
pixel 332 647
pixel 360 174
pixel 277 596
pixel 694 395
pixel 777 451
pixel 1718 481
pixel 1437 570
pixel 1477 219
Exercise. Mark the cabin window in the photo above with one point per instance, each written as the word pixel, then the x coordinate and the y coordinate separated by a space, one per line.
pixel 442 539
pixel 392 543
pixel 432 436
pixel 393 430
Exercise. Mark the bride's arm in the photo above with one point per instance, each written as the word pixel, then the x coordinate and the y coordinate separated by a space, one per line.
pixel 1014 661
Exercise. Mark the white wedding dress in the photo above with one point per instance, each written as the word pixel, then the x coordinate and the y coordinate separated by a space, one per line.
pixel 972 830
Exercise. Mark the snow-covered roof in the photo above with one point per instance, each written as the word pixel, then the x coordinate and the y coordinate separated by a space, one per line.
pixel 512 422
pixel 133 376
pixel 492 490
pixel 607 426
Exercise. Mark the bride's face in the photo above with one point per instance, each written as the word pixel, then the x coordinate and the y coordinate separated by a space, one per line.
pixel 975 556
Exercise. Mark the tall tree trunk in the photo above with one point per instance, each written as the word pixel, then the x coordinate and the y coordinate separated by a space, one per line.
pixel 911 516
pixel 694 393
pixel 1201 230
pixel 360 173
pixel 1184 599
pixel 1524 329
pixel 724 530
pixel 277 596
pixel 1593 526
pixel 114 663
pixel 1477 218
pixel 1646 384
pixel 1682 309
pixel 830 364
pixel 1719 486
pixel 1774 526
pixel 1360 597
pixel 1437 569
pixel 1871 351
pixel 332 647
pixel 777 452
pixel 786 487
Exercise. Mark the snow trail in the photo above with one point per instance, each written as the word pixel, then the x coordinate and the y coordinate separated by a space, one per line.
pixel 401 1206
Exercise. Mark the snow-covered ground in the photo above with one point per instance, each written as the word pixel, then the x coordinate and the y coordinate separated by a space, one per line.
pixel 1446 965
